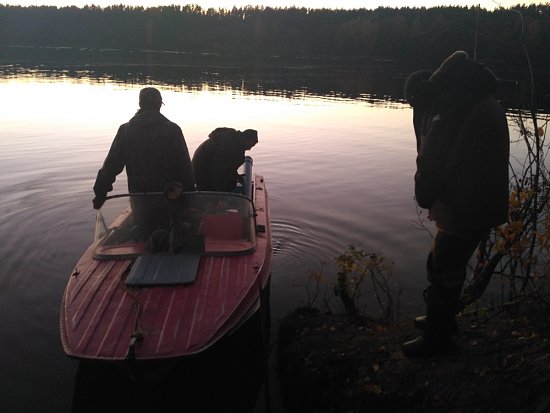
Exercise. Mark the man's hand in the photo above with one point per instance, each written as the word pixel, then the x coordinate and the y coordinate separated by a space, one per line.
pixel 98 201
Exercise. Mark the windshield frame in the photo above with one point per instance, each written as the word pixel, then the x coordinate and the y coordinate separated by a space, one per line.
pixel 199 222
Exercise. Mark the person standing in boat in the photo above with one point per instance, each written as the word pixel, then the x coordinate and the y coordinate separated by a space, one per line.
pixel 461 178
pixel 217 160
pixel 151 147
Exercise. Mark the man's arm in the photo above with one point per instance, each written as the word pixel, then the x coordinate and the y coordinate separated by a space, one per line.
pixel 112 166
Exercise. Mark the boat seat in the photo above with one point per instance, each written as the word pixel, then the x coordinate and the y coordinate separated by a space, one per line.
pixel 226 225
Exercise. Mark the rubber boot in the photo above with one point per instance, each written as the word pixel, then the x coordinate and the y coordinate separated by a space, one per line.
pixel 433 342
pixel 421 320
pixel 436 339
pixel 428 346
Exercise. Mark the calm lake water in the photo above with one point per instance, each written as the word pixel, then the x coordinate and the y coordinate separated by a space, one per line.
pixel 338 171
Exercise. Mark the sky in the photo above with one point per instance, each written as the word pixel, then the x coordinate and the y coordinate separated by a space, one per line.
pixel 330 4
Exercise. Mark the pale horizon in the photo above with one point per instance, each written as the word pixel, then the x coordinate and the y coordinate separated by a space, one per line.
pixel 310 4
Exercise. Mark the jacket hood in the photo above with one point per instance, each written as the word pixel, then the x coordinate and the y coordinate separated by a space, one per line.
pixel 234 138
pixel 459 73
pixel 222 134
pixel 226 137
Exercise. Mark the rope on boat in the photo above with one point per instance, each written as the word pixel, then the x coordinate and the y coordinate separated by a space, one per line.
pixel 137 334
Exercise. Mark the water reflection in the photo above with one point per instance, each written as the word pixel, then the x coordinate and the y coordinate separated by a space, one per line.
pixel 294 77
pixel 290 77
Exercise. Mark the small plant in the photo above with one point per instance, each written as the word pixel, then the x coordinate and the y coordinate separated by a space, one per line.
pixel 317 290
pixel 519 251
pixel 359 275
pixel 357 269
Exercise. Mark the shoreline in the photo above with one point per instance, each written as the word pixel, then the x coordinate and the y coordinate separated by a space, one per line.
pixel 334 363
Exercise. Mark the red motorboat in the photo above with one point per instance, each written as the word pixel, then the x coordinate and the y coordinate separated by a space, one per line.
pixel 169 276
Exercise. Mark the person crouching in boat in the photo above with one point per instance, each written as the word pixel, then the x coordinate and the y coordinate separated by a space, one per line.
pixel 217 160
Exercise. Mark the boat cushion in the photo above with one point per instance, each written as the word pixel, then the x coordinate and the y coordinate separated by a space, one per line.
pixel 226 225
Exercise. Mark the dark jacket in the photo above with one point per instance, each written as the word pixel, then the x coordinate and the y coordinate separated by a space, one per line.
pixel 217 159
pixel 154 152
pixel 462 164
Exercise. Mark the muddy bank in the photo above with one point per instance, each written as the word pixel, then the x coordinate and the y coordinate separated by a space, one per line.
pixel 331 363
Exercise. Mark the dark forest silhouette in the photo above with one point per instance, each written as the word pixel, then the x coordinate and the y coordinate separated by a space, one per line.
pixel 289 51
pixel 405 35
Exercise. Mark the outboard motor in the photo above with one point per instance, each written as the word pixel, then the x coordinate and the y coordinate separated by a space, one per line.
pixel 247 187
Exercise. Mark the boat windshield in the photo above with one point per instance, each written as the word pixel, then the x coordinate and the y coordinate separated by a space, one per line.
pixel 212 223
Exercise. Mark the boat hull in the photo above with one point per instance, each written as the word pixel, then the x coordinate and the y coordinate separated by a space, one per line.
pixel 102 318
pixel 233 370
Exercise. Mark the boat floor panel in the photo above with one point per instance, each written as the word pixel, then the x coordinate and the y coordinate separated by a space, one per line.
pixel 151 270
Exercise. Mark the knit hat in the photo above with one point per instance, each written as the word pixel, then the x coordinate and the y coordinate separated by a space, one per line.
pixel 251 134
pixel 449 65
pixel 249 138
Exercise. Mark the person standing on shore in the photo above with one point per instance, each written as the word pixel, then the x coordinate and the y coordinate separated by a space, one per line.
pixel 461 178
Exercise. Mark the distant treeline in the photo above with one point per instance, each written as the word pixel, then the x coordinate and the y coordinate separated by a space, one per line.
pixel 405 35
